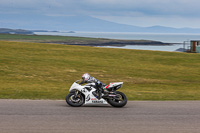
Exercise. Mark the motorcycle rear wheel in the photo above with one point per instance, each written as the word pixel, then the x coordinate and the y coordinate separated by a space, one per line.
pixel 74 102
pixel 118 103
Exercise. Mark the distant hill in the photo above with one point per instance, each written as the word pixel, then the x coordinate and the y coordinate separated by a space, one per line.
pixel 15 31
pixel 163 29
pixel 80 23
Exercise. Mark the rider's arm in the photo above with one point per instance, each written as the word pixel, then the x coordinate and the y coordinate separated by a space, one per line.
pixel 82 82
pixel 97 82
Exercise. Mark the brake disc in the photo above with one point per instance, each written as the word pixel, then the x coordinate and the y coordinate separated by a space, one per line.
pixel 74 99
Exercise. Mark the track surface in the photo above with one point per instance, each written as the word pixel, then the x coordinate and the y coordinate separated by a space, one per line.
pixel 48 116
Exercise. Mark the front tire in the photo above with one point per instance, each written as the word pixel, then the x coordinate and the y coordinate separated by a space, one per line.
pixel 75 101
pixel 120 101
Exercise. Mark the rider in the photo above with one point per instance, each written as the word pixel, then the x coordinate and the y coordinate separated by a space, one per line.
pixel 88 79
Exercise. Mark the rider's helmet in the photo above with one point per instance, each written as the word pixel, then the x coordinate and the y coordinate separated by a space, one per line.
pixel 85 77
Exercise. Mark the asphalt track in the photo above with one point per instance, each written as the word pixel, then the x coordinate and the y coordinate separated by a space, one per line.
pixel 49 116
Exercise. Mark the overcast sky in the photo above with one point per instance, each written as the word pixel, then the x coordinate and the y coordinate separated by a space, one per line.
pixel 173 13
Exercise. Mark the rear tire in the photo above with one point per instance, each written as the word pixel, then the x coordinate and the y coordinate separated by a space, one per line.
pixel 118 103
pixel 74 102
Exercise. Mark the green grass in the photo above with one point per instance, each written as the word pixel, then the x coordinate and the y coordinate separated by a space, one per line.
pixel 44 38
pixel 46 71
pixel 74 40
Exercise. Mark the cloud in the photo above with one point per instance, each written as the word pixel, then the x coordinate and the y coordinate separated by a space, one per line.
pixel 151 7
pixel 109 7
pixel 38 6
pixel 113 10
pixel 174 13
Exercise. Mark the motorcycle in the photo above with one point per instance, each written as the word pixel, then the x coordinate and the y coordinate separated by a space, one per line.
pixel 85 94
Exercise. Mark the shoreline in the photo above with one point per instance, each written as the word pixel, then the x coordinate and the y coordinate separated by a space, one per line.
pixel 81 41
pixel 119 43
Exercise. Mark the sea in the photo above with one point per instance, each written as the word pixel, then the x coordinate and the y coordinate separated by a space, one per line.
pixel 180 41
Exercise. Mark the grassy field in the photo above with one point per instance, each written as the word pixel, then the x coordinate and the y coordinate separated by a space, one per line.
pixel 76 40
pixel 46 71
pixel 46 38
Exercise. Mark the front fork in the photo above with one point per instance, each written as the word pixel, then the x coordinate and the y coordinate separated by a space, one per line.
pixel 76 94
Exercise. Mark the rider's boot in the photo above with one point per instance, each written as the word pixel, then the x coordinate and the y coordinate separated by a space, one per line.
pixel 95 93
pixel 99 95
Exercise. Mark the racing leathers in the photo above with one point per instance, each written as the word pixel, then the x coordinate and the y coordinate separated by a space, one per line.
pixel 98 84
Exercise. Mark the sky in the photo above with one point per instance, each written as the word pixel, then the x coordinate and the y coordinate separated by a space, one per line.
pixel 170 13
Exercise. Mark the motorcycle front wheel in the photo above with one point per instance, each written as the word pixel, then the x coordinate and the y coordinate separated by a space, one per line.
pixel 75 101
pixel 119 101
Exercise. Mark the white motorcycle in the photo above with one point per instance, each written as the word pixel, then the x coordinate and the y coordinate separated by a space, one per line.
pixel 84 94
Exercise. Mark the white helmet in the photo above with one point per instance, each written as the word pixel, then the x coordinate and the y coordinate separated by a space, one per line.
pixel 85 77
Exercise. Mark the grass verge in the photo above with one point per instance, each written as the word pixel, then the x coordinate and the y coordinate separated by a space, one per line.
pixel 46 71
